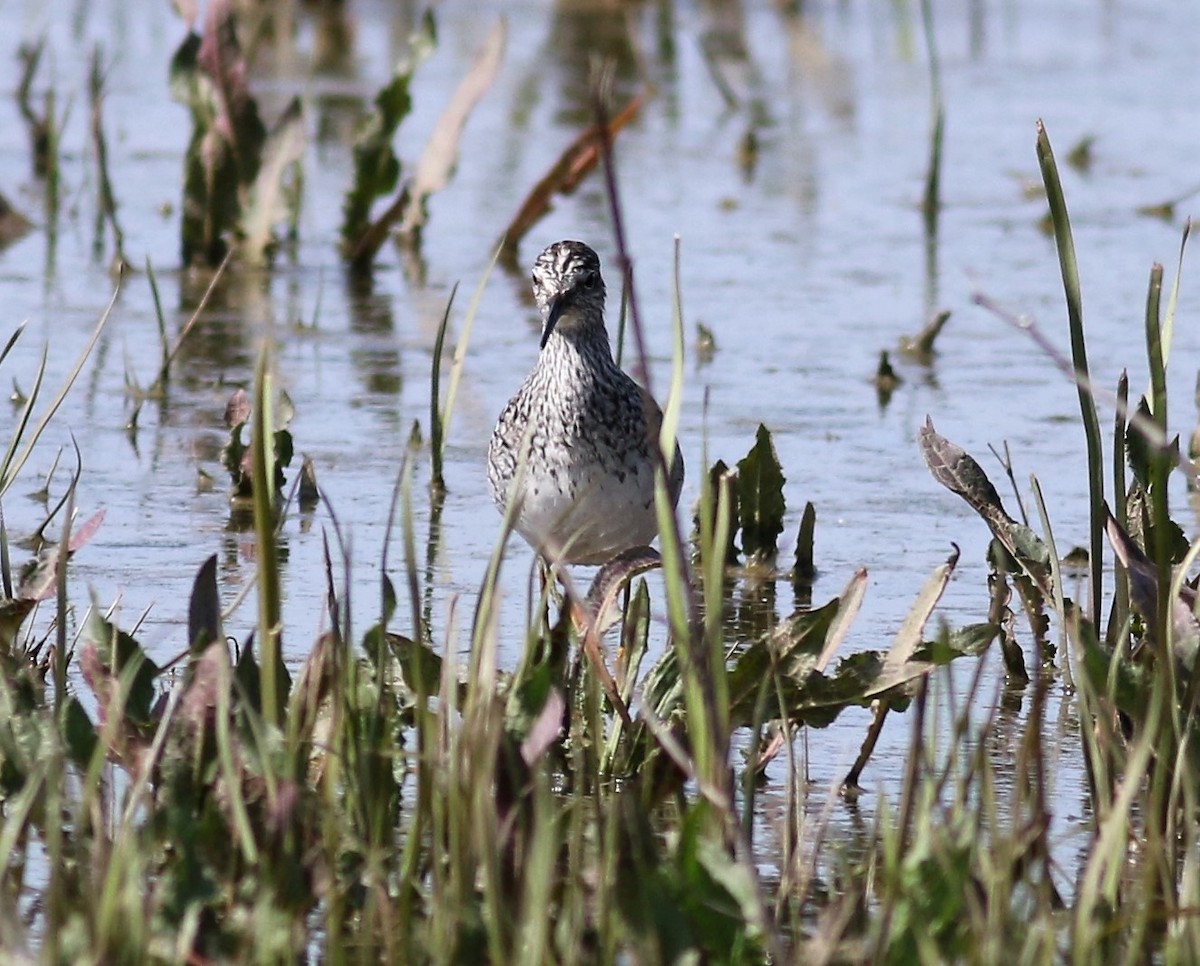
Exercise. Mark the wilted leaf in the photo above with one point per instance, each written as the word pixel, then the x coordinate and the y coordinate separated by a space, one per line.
pixel 441 150
pixel 909 636
pixel 760 497
pixel 266 203
pixel 312 686
pixel 610 580
pixel 956 470
pixel 851 601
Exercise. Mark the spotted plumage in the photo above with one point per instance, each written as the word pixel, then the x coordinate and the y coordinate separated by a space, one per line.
pixel 586 490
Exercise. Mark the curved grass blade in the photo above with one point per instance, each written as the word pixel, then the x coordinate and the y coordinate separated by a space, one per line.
pixel 1087 405
pixel 13 461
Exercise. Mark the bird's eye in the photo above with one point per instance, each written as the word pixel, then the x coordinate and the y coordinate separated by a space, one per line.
pixel 589 280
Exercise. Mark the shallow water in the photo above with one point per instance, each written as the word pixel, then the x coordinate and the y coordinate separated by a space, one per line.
pixel 805 265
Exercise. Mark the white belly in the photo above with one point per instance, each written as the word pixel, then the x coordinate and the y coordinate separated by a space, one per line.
pixel 590 517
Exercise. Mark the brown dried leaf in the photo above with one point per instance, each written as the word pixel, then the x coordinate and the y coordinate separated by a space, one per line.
pixel 564 176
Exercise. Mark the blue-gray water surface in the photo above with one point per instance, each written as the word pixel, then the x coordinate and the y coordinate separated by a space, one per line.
pixel 805 257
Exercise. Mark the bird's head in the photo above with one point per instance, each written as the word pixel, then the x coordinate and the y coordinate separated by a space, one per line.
pixel 569 289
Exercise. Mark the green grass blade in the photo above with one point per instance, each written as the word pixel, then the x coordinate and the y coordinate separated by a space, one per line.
pixel 274 674
pixel 1087 405
pixel 1168 326
pixel 436 426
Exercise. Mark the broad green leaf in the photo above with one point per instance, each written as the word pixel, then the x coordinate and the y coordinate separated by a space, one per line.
pixel 760 497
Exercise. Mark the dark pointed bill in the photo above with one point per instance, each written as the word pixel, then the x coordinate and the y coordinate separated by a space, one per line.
pixel 552 316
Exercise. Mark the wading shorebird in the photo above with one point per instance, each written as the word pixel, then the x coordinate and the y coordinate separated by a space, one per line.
pixel 576 448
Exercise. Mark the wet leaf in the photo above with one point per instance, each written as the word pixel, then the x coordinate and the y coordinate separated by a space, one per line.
pixel 886 378
pixel 284 410
pixel 920 346
pixel 792 651
pixel 706 343
pixel 760 497
pixel 310 492
pixel 805 571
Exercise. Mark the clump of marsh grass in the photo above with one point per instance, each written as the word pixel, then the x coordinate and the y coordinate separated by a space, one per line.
pixel 400 796
pixel 1134 670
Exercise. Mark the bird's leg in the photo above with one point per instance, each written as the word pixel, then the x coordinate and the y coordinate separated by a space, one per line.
pixel 626 596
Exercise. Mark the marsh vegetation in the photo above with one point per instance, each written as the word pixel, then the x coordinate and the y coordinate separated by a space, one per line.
pixel 277 684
